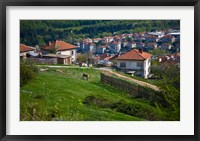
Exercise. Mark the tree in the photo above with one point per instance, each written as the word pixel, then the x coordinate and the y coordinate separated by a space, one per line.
pixel 169 85
pixel 82 58
pixel 158 51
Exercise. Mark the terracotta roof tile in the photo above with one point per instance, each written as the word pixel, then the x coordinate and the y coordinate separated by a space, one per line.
pixel 134 55
pixel 25 48
pixel 61 46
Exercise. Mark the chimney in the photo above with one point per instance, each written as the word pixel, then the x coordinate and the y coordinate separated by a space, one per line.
pixel 140 50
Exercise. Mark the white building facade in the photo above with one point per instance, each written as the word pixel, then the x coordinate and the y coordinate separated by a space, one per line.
pixel 136 62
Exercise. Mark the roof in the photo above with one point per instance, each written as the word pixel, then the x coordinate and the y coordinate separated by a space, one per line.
pixel 168 36
pixel 134 55
pixel 61 45
pixel 56 56
pixel 25 48
pixel 103 56
pixel 33 54
pixel 110 57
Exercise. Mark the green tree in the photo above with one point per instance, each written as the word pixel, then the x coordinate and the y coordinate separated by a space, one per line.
pixel 28 71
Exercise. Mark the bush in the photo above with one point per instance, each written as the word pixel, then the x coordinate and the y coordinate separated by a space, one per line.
pixel 28 71
pixel 137 109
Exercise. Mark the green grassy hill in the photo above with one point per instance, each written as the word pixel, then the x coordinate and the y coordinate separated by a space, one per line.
pixel 62 94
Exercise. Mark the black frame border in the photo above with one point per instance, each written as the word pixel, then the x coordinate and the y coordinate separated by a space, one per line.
pixel 5 3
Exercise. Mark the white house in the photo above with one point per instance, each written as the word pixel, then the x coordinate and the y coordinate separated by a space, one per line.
pixel 88 47
pixel 115 47
pixel 62 48
pixel 157 34
pixel 136 61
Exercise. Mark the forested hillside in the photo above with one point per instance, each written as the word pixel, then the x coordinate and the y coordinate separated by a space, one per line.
pixel 40 32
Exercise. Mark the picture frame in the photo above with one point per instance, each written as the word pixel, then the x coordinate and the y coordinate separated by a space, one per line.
pixel 6 3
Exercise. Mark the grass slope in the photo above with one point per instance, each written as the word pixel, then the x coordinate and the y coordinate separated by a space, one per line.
pixel 58 94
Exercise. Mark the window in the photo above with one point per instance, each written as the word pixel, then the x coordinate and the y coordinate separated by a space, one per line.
pixel 122 64
pixel 139 64
pixel 72 52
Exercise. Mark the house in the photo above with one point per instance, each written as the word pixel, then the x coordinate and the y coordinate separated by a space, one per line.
pixel 115 47
pixel 151 46
pixel 101 49
pixel 89 47
pixel 25 51
pixel 88 40
pixel 106 60
pixel 108 39
pixel 170 59
pixel 131 44
pixel 60 47
pixel 156 34
pixel 168 39
pixel 138 37
pixel 151 38
pixel 165 46
pixel 59 59
pixel 96 40
pixel 136 61
pixel 140 44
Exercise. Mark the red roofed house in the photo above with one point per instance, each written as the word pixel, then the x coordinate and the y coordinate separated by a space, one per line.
pixel 24 50
pixel 60 47
pixel 136 61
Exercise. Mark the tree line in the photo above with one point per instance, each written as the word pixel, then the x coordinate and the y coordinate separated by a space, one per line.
pixel 40 32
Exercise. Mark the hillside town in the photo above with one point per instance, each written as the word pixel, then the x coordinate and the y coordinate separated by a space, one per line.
pixel 99 70
pixel 130 53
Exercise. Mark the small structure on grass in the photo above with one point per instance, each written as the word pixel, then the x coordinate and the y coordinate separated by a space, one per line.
pixel 60 59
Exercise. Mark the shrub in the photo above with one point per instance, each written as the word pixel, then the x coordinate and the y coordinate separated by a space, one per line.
pixel 137 109
pixel 28 71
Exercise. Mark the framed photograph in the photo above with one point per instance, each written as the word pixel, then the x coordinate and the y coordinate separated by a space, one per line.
pixel 99 70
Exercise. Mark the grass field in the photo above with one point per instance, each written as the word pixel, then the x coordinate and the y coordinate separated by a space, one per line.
pixel 63 95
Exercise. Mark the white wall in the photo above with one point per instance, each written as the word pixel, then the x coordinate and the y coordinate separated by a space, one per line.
pixel 132 65
pixel 147 64
pixel 129 65
pixel 69 52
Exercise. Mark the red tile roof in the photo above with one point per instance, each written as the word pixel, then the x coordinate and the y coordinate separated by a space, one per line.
pixel 25 48
pixel 109 58
pixel 134 55
pixel 103 56
pixel 61 45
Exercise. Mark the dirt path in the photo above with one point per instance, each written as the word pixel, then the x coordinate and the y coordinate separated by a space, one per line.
pixel 109 70
pixel 133 80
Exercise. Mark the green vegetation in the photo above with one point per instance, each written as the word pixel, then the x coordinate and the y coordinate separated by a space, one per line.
pixel 28 71
pixel 170 84
pixel 40 32
pixel 62 94
pixel 158 51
